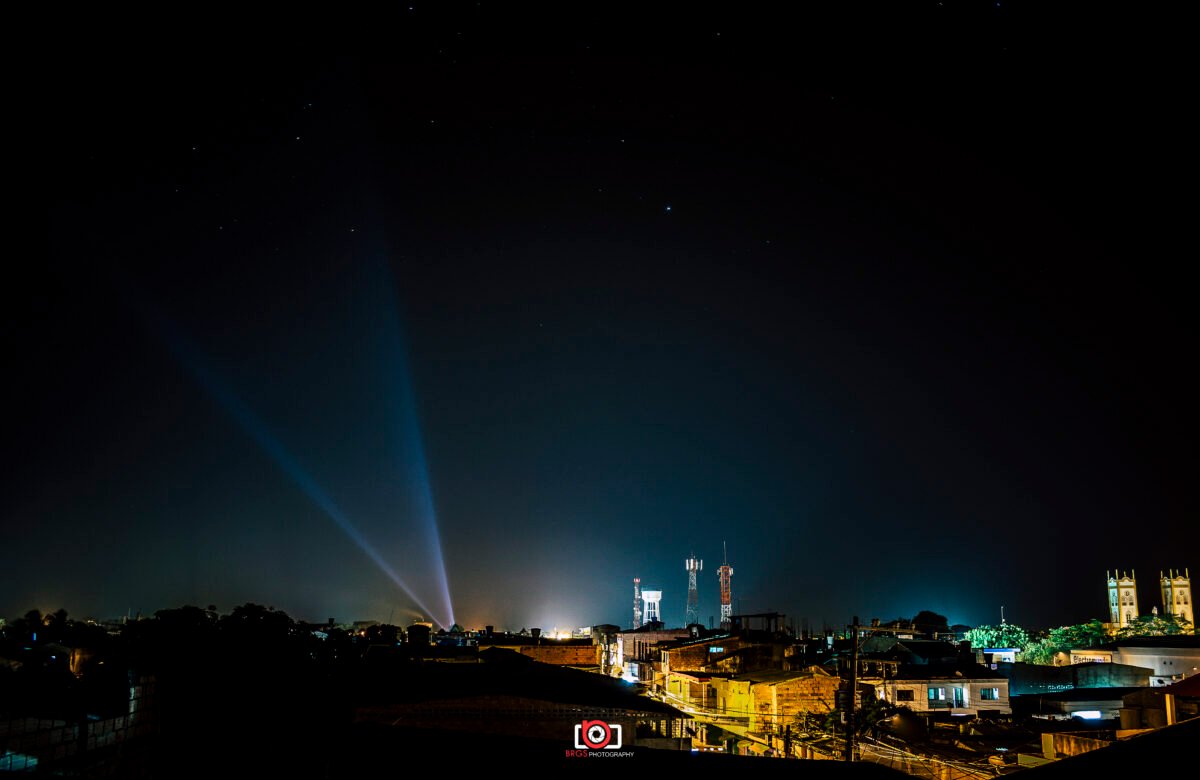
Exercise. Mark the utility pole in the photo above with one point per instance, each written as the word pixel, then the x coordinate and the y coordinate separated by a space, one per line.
pixel 852 699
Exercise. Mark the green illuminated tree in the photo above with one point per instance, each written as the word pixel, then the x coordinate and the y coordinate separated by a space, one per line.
pixel 1089 634
pixel 1064 639
pixel 1039 651
pixel 1003 635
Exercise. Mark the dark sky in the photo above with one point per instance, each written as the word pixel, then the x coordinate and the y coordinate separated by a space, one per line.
pixel 893 302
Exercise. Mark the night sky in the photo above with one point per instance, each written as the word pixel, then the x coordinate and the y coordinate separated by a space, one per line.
pixel 895 303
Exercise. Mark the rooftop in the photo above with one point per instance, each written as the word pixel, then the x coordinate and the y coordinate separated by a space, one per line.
pixel 962 671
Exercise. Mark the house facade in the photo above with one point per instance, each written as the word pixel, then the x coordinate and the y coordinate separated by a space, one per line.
pixel 972 691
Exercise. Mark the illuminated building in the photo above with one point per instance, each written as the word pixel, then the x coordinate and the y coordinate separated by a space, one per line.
pixel 639 656
pixel 1122 599
pixel 1177 595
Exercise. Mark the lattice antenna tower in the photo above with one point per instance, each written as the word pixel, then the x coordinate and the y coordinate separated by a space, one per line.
pixel 725 575
pixel 694 567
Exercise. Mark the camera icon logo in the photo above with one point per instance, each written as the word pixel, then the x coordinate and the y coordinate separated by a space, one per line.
pixel 597 735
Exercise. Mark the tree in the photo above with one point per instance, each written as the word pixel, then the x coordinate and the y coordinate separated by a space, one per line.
pixel 1156 625
pixel 872 713
pixel 868 716
pixel 931 622
pixel 1064 639
pixel 1003 635
pixel 1087 634
pixel 254 621
pixel 185 620
pixel 23 628
pixel 1040 651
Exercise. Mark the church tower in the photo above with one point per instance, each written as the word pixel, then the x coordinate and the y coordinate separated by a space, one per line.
pixel 1177 595
pixel 1122 599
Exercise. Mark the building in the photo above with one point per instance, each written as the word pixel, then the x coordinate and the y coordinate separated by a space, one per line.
pixel 782 699
pixel 1092 704
pixel 1122 599
pixel 1026 679
pixel 710 654
pixel 763 702
pixel 1085 655
pixel 1168 658
pixel 727 653
pixel 511 697
pixel 1171 658
pixel 878 655
pixel 1177 595
pixel 638 658
pixel 580 653
pixel 929 676
pixel 954 689
pixel 1158 707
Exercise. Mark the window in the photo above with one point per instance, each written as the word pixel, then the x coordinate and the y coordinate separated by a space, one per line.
pixel 989 694
pixel 937 694
pixel 904 694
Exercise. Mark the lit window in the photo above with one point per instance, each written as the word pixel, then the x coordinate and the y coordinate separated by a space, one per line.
pixel 989 694
pixel 937 694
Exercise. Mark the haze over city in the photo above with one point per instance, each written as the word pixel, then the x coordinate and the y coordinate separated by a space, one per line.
pixel 479 328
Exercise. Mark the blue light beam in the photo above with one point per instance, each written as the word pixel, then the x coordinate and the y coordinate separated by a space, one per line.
pixel 408 426
pixel 192 359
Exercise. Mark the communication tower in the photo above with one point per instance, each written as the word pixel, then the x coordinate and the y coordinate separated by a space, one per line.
pixel 725 575
pixel 693 567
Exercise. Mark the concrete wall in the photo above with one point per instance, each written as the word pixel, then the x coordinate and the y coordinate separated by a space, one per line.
pixel 562 655
pixel 696 691
pixel 733 697
pixel 1065 744
pixel 1110 676
pixel 1034 678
